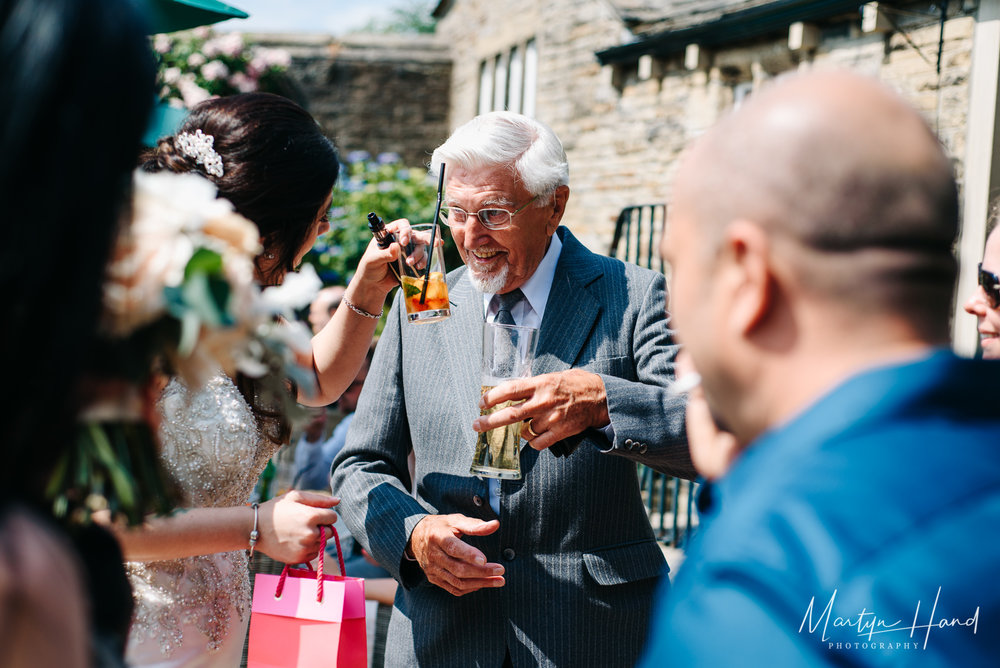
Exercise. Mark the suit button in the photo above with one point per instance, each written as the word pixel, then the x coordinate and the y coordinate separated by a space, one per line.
pixel 629 443
pixel 508 554
pixel 642 448
pixel 478 500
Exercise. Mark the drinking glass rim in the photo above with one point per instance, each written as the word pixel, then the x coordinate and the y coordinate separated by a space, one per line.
pixel 506 326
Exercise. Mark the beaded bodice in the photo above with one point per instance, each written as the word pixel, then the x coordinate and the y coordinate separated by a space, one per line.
pixel 213 448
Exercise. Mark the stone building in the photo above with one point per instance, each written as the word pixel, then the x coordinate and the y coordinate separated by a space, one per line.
pixel 373 93
pixel 627 84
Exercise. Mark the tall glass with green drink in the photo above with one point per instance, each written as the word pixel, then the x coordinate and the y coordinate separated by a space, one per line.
pixel 508 352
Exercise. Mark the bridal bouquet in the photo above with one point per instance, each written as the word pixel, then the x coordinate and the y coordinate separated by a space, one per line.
pixel 179 298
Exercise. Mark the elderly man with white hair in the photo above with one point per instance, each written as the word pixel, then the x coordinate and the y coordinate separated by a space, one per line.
pixel 557 568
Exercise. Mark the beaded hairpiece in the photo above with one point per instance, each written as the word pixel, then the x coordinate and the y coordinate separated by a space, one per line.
pixel 200 147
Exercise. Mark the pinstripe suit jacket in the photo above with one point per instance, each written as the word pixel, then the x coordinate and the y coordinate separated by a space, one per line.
pixel 580 557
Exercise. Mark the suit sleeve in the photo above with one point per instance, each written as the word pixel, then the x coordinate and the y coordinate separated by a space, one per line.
pixel 370 474
pixel 647 420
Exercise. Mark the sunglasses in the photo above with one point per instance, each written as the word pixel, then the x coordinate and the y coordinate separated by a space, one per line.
pixel 990 284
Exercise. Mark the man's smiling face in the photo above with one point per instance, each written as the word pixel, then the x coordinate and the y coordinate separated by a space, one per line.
pixel 499 260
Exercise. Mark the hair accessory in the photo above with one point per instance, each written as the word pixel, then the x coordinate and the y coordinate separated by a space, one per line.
pixel 360 311
pixel 200 147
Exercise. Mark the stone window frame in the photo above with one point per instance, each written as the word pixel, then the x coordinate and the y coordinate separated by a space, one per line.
pixel 509 80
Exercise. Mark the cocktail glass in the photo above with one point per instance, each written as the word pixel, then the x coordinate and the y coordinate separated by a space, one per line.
pixel 508 352
pixel 424 294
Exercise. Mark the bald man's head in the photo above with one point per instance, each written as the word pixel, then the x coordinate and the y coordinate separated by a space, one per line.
pixel 851 181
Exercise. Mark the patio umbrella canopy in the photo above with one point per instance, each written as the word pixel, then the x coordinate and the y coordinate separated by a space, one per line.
pixel 173 15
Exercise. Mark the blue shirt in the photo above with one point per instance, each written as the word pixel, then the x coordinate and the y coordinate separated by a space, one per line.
pixel 862 532
pixel 314 460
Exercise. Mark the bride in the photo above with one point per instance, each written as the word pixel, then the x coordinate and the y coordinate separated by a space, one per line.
pixel 189 571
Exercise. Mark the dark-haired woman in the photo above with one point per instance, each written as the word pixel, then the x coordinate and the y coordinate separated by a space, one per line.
pixel 189 571
pixel 64 65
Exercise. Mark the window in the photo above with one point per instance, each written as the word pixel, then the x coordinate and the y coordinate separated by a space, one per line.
pixel 485 86
pixel 508 80
pixel 500 82
pixel 515 79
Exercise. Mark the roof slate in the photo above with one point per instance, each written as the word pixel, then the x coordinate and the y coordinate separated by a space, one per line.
pixel 654 16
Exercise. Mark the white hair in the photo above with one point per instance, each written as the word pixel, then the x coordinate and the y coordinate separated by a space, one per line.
pixel 505 139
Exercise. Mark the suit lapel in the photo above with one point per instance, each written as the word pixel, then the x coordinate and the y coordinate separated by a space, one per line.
pixel 571 310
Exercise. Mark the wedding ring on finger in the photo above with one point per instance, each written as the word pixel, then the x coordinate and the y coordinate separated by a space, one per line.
pixel 531 432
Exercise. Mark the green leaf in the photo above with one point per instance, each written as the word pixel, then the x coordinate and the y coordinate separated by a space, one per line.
pixel 202 296
pixel 411 290
pixel 203 261
pixel 57 481
pixel 120 479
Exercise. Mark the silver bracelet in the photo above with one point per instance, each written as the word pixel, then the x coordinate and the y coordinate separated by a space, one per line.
pixel 254 535
pixel 361 311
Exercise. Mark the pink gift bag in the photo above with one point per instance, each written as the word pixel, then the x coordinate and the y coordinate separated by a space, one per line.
pixel 303 618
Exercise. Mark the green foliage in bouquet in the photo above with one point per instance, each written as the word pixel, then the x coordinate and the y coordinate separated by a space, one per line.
pixel 387 187
pixel 179 300
pixel 197 64
pixel 114 465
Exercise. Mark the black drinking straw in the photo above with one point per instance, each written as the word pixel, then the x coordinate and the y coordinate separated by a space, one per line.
pixel 437 212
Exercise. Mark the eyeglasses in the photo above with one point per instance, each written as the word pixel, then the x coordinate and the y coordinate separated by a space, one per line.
pixel 492 219
pixel 991 286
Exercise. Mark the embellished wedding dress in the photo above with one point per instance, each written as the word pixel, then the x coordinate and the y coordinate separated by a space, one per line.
pixel 193 612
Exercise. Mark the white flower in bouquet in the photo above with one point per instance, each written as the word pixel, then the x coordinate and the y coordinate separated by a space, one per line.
pixel 172 216
pixel 186 257
pixel 297 291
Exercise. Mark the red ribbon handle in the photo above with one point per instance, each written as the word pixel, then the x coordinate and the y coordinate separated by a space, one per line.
pixel 319 572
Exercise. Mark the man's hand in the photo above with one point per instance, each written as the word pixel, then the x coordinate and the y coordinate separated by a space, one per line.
pixel 447 560
pixel 558 405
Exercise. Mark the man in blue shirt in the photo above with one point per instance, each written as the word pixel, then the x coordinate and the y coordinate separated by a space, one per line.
pixel 856 497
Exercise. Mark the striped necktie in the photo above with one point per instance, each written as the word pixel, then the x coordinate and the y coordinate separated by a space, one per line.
pixel 507 302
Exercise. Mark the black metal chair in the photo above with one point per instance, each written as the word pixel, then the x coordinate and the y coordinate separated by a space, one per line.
pixel 669 501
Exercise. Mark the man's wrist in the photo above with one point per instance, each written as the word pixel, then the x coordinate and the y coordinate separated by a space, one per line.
pixel 603 414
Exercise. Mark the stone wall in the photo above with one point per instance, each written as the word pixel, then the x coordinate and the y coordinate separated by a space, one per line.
pixel 624 126
pixel 374 93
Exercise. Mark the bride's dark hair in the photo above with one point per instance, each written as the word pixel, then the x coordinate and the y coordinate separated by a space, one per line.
pixel 278 166
pixel 278 169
